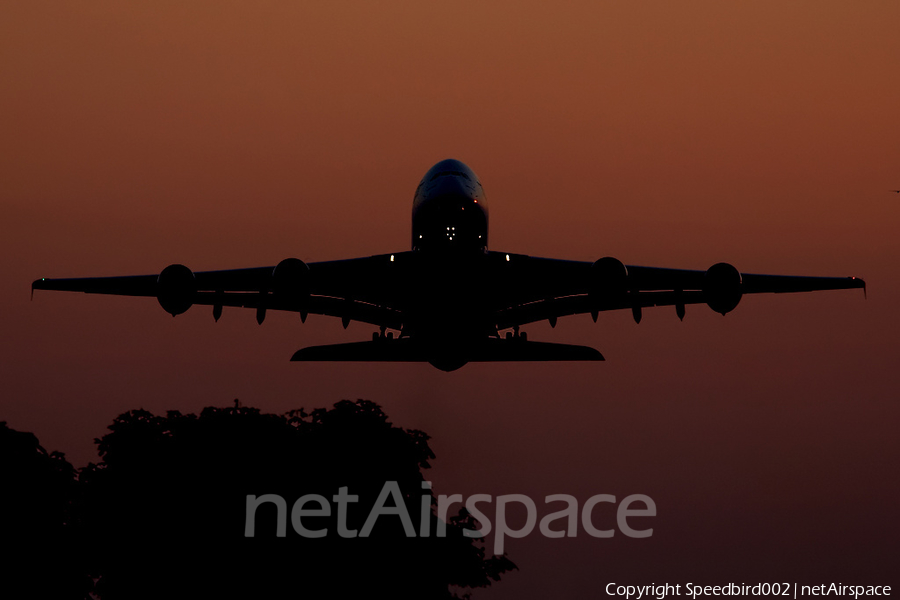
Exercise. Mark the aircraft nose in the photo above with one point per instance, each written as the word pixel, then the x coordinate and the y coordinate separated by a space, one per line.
pixel 451 186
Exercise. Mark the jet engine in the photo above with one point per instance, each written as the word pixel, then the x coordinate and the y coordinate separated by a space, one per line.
pixel 609 280
pixel 722 287
pixel 175 289
pixel 290 279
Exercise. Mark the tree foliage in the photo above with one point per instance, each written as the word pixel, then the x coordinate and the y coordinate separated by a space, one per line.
pixel 162 515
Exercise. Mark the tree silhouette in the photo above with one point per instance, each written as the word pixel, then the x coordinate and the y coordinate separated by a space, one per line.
pixel 163 513
pixel 41 558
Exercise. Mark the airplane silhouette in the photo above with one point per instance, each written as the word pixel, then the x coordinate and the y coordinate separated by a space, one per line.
pixel 449 297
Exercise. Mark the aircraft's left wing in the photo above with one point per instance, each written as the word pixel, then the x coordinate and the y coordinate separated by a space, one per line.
pixel 363 289
pixel 537 289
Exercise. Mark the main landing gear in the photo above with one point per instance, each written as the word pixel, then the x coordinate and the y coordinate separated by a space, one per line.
pixel 381 335
pixel 515 335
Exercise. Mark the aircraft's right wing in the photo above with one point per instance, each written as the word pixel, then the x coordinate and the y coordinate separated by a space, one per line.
pixel 368 289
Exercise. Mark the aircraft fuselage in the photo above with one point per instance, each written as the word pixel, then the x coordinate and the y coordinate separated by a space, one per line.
pixel 449 216
pixel 449 243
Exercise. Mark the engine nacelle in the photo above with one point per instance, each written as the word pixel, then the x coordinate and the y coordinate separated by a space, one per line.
pixel 609 281
pixel 175 289
pixel 290 280
pixel 722 287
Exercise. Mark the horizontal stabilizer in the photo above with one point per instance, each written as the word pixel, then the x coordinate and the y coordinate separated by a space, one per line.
pixel 375 351
pixel 409 350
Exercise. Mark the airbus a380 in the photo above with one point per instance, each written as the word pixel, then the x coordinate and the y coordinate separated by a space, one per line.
pixel 449 297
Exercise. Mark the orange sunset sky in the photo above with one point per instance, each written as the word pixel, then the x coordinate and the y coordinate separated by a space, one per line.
pixel 228 134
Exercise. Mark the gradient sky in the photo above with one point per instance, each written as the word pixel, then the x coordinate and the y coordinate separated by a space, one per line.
pixel 233 134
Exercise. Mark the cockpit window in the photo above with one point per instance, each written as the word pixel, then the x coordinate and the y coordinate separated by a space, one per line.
pixel 445 173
